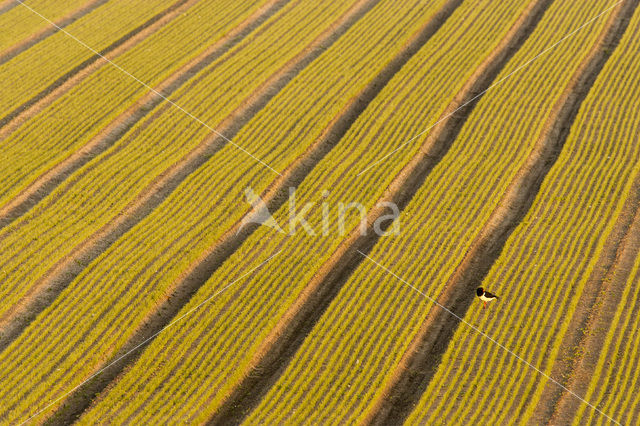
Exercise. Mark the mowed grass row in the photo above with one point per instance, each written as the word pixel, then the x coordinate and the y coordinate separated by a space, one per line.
pixel 188 371
pixel 122 288
pixel 42 64
pixel 98 192
pixel 19 23
pixel 82 113
pixel 546 262
pixel 615 379
pixel 355 348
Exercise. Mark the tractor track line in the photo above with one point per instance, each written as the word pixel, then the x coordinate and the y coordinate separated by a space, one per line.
pixel 112 132
pixel 7 5
pixel 62 273
pixel 423 355
pixel 49 29
pixel 595 312
pixel 589 307
pixel 50 93
pixel 282 343
pixel 66 270
pixel 274 196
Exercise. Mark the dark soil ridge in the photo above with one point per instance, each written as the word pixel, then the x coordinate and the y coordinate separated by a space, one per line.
pixel 58 277
pixel 274 196
pixel 63 274
pixel 16 113
pixel 278 349
pixel 7 5
pixel 61 86
pixel 590 305
pixel 37 37
pixel 426 350
pixel 596 308
pixel 112 132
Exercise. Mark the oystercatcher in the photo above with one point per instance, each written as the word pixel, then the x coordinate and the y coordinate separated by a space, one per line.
pixel 485 296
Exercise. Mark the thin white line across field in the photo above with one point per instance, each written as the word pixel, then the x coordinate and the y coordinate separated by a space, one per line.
pixel 520 67
pixel 489 337
pixel 270 168
pixel 148 339
pixel 148 87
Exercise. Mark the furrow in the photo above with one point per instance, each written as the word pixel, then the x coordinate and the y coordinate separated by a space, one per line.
pixel 60 275
pixel 423 355
pixel 66 270
pixel 20 47
pixel 16 117
pixel 57 89
pixel 140 270
pixel 127 169
pixel 277 193
pixel 277 350
pixel 605 283
pixel 47 182
pixel 7 5
pixel 599 305
pixel 220 341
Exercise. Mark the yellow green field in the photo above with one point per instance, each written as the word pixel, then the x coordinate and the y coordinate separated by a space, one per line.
pixel 279 211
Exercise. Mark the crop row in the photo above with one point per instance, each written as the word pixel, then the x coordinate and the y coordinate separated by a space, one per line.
pixel 59 54
pixel 96 193
pixel 196 364
pixel 124 285
pixel 362 336
pixel 615 378
pixel 546 262
pixel 19 23
pixel 68 124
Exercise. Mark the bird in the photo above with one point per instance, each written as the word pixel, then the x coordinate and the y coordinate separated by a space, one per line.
pixel 485 296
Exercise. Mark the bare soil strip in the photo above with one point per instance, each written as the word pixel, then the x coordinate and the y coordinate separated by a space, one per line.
pixel 423 355
pixel 279 347
pixel 590 305
pixel 66 270
pixel 274 196
pixel 48 181
pixel 7 5
pixel 26 110
pixel 60 275
pixel 592 321
pixel 23 45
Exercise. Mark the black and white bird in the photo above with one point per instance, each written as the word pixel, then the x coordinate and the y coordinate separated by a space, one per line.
pixel 485 296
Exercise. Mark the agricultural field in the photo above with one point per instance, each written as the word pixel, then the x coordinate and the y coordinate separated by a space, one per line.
pixel 281 212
